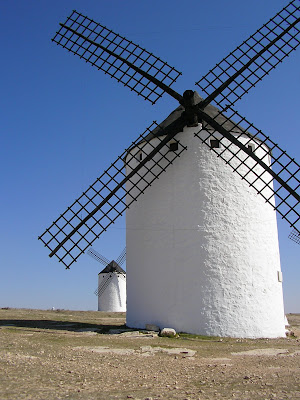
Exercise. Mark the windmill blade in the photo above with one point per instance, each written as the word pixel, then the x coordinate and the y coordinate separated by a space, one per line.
pixel 103 285
pixel 107 198
pixel 257 159
pixel 295 236
pixel 122 260
pixel 97 256
pixel 128 63
pixel 122 257
pixel 250 62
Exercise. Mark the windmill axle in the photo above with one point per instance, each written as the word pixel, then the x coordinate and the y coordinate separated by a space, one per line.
pixel 190 101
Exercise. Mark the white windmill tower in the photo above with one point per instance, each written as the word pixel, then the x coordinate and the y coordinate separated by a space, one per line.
pixel 202 244
pixel 111 290
pixel 210 239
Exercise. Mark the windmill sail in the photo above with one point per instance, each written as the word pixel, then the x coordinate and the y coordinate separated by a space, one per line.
pixel 103 260
pixel 121 59
pixel 122 257
pixel 97 256
pixel 250 62
pixel 107 198
pixel 103 285
pixel 295 236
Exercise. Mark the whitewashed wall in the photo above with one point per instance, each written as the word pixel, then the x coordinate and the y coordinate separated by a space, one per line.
pixel 113 297
pixel 202 251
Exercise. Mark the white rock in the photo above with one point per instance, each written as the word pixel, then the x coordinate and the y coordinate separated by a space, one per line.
pixel 168 332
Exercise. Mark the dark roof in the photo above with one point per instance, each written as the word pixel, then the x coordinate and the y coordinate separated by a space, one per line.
pixel 172 122
pixel 211 110
pixel 113 267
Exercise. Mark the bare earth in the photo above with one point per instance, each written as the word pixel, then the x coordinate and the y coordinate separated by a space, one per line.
pixel 70 355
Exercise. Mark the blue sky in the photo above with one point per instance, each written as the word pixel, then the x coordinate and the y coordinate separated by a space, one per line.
pixel 63 123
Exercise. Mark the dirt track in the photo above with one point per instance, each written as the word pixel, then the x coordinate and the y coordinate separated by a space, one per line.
pixel 70 355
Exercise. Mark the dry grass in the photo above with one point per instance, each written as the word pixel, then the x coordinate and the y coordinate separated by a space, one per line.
pixel 70 355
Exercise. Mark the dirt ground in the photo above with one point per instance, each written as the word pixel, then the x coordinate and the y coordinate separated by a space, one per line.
pixel 73 355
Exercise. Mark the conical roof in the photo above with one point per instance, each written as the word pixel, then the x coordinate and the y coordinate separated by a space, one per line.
pixel 173 120
pixel 113 266
pixel 211 110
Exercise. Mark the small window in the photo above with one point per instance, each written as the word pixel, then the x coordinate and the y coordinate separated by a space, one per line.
pixel 215 144
pixel 251 147
pixel 139 156
pixel 173 146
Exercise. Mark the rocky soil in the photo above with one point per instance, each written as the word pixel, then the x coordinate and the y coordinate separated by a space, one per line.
pixel 90 355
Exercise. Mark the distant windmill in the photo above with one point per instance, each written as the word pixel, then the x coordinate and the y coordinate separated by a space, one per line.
pixel 111 289
pixel 202 245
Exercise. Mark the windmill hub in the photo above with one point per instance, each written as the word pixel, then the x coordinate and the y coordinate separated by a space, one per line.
pixel 190 101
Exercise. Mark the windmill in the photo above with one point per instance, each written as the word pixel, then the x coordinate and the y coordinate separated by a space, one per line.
pixel 111 290
pixel 202 245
